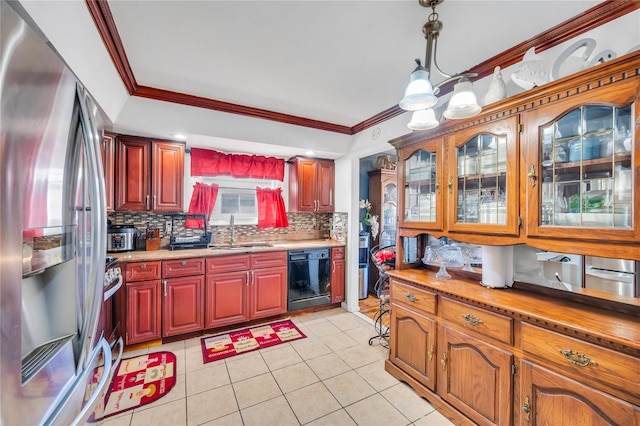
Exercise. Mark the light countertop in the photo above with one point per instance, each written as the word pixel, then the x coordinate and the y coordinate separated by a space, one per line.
pixel 239 248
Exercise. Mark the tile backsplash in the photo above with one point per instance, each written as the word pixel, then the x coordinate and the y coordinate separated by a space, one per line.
pixel 302 226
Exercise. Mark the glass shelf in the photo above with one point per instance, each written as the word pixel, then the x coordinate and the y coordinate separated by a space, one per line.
pixel 587 169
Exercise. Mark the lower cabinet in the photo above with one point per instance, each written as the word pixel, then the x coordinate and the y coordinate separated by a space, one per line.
pixel 413 345
pixel 245 287
pixel 143 322
pixel 549 398
pixel 476 377
pixel 337 274
pixel 163 299
pixel 481 361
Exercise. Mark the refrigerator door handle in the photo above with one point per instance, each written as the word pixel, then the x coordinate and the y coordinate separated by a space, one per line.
pixel 98 221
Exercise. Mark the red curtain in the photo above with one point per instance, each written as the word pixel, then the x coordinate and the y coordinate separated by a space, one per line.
pixel 205 162
pixel 202 201
pixel 271 211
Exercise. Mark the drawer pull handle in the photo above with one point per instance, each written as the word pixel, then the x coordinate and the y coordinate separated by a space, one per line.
pixel 532 175
pixel 412 297
pixel 576 358
pixel 527 408
pixel 183 263
pixel 471 319
pixel 431 353
pixel 143 266
pixel 443 361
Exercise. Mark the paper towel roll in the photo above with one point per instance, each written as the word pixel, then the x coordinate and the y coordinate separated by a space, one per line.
pixel 497 266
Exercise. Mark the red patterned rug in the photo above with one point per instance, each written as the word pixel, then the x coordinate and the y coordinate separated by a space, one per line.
pixel 136 382
pixel 237 342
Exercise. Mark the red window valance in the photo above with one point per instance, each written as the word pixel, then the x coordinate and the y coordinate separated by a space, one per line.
pixel 206 162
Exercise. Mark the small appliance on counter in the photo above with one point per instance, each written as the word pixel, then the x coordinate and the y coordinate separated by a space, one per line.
pixel 200 237
pixel 121 238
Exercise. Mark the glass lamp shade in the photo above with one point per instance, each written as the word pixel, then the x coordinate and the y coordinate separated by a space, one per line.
pixel 419 93
pixel 424 119
pixel 463 102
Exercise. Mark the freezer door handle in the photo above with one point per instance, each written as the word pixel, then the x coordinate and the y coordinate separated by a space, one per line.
pixel 113 289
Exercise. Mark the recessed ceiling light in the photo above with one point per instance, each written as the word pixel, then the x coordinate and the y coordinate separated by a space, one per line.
pixel 309 153
pixel 179 136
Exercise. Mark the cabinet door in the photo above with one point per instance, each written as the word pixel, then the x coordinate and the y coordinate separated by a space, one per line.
pixel 325 182
pixel 143 311
pixel 182 305
pixel 168 176
pixel 133 166
pixel 268 292
pixel 421 199
pixel 483 179
pixel 305 174
pixel 337 280
pixel 581 165
pixel 108 151
pixel 226 299
pixel 412 343
pixel 476 377
pixel 552 399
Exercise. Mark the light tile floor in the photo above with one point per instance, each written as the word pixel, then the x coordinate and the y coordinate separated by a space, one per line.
pixel 332 377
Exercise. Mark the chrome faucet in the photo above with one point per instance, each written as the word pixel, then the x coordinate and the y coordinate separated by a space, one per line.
pixel 232 234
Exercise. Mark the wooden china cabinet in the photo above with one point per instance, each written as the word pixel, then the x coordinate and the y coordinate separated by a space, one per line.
pixel 383 196
pixel 150 174
pixel 555 168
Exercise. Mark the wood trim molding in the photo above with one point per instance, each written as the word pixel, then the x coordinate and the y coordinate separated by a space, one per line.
pixel 592 18
pixel 200 102
pixel 102 17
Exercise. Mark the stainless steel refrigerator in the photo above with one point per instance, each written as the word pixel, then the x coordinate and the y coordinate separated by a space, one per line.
pixel 53 235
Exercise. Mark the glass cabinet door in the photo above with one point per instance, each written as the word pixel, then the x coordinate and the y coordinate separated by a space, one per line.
pixel 586 169
pixel 389 214
pixel 483 186
pixel 422 195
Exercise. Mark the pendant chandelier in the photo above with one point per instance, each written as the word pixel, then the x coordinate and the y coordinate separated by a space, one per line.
pixel 420 95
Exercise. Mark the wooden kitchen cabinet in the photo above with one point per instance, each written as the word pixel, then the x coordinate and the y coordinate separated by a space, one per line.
pixel 144 302
pixel 150 175
pixel 311 185
pixel 476 377
pixel 498 357
pixel 383 196
pixel 108 154
pixel 182 296
pixel 243 287
pixel 553 167
pixel 550 398
pixel 337 275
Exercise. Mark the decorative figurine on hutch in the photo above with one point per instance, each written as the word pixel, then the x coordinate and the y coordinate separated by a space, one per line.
pixel 497 90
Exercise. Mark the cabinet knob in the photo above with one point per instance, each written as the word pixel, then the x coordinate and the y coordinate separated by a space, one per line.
pixel 183 263
pixel 532 175
pixel 143 266
pixel 450 184
pixel 438 185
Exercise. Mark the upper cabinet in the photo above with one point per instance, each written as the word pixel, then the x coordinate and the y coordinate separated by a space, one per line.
pixel 311 185
pixel 420 171
pixel 580 166
pixel 482 178
pixel 551 167
pixel 150 175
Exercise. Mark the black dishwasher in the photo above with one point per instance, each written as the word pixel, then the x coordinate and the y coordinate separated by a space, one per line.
pixel 309 278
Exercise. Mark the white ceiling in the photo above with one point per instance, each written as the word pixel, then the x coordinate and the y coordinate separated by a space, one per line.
pixel 340 61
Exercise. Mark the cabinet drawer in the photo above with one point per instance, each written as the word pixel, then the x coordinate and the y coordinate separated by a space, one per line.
pixel 584 359
pixel 413 297
pixel 268 260
pixel 337 253
pixel 227 263
pixel 479 320
pixel 142 271
pixel 182 267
